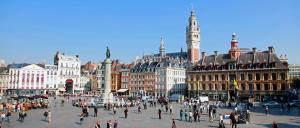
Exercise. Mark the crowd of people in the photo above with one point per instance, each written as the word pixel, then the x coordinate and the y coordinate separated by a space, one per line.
pixel 190 111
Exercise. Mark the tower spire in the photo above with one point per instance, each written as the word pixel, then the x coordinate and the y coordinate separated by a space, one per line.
pixel 193 38
pixel 193 11
pixel 162 47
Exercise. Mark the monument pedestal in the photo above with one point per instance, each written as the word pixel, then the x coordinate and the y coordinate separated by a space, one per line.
pixel 107 96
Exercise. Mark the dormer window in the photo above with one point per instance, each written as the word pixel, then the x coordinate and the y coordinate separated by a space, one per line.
pixel 231 66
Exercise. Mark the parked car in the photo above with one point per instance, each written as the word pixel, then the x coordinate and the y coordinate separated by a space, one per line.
pixel 294 103
pixel 272 104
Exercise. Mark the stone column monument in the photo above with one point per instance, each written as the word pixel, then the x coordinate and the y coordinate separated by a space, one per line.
pixel 107 96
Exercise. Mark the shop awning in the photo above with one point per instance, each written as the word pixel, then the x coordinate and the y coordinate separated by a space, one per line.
pixel 122 90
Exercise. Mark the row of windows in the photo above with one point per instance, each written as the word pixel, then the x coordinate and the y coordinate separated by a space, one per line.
pixel 51 72
pixel 14 72
pixel 143 70
pixel 125 73
pixel 171 79
pixel 69 65
pixel 234 66
pixel 257 87
pixel 142 77
pixel 142 82
pixel 142 88
pixel 68 73
pixel 124 79
pixel 250 77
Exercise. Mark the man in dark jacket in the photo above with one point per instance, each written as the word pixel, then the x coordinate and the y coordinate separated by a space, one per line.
pixel 95 111
pixel 233 120
pixel 126 112
pixel 159 113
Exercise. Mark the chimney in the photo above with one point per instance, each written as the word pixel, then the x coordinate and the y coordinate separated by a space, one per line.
pixel 254 50
pixel 203 55
pixel 271 50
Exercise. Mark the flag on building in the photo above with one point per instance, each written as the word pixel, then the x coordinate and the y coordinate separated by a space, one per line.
pixel 236 85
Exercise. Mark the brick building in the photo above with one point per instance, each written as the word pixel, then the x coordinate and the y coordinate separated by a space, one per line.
pixel 259 75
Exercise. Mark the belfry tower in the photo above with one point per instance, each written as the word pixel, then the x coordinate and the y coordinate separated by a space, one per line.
pixel 193 38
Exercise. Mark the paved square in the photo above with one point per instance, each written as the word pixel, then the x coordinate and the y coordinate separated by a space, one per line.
pixel 68 117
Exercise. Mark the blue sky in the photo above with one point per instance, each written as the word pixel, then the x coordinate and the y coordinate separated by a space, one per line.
pixel 33 30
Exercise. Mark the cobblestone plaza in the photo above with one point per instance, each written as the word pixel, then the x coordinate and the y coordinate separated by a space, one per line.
pixel 67 116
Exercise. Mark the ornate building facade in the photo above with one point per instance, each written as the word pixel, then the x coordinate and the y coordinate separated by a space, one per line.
pixel 27 79
pixel 69 72
pixel 258 74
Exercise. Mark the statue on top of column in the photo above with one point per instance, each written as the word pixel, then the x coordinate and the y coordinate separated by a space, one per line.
pixel 107 53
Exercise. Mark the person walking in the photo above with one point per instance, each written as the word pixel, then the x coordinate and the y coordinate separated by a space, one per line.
pixel 95 111
pixel 126 112
pixel 198 116
pixel 181 114
pixel 171 109
pixel 97 125
pixel 8 114
pixel 214 113
pixel 115 124
pixel 210 113
pixel 167 108
pixel 233 120
pixel 49 116
pixel 145 104
pixel 159 113
pixel 186 115
pixel 190 117
pixel 201 109
pixel 115 110
pixel 2 116
pixel 45 115
pixel 267 110
pixel 108 124
pixel 173 124
pixel 139 109
pixel 195 116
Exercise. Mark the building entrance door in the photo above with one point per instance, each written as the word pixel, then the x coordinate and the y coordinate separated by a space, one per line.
pixel 69 86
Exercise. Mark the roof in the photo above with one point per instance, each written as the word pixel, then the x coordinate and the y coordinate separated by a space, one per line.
pixel 164 62
pixel 21 65
pixel 245 58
